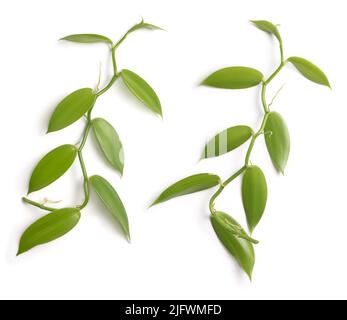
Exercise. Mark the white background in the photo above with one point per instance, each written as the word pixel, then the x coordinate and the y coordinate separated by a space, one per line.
pixel 174 252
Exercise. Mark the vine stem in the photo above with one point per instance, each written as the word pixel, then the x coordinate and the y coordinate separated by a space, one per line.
pixel 221 188
pixel 87 130
pixel 38 205
pixel 89 121
pixel 85 137
pixel 266 113
pixel 81 160
pixel 255 136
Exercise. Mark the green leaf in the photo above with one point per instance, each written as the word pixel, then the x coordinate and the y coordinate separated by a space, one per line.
pixel 144 25
pixel 227 230
pixel 277 140
pixel 227 141
pixel 267 27
pixel 48 228
pixel 150 26
pixel 142 90
pixel 52 166
pixel 188 185
pixel 254 195
pixel 72 108
pixel 87 38
pixel 309 70
pixel 234 78
pixel 109 143
pixel 111 200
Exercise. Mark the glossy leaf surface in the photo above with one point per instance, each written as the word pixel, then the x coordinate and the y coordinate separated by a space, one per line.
pixel 254 195
pixel 241 249
pixel 309 71
pixel 109 143
pixel 227 141
pixel 48 228
pixel 188 185
pixel 111 200
pixel 52 166
pixel 234 78
pixel 277 141
pixel 72 108
pixel 268 27
pixel 142 90
pixel 87 38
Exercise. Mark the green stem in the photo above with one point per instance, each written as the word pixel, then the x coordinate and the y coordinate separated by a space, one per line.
pixel 88 125
pixel 108 86
pixel 275 73
pixel 81 160
pixel 87 129
pixel 86 133
pixel 282 52
pixel 83 142
pixel 122 38
pixel 255 136
pixel 85 181
pixel 133 28
pixel 221 188
pixel 38 205
pixel 263 98
pixel 266 113
pixel 114 60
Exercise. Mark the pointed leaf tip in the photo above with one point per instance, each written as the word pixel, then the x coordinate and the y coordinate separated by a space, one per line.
pixel 142 91
pixel 71 109
pixel 48 228
pixel 191 184
pixel 268 27
pixel 310 71
pixel 152 26
pixel 52 166
pixel 111 201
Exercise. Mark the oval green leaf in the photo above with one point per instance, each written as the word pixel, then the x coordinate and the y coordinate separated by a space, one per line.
pixel 254 195
pixel 309 71
pixel 48 228
pixel 227 141
pixel 241 249
pixel 52 166
pixel 72 108
pixel 87 38
pixel 142 90
pixel 268 27
pixel 277 141
pixel 188 185
pixel 234 78
pixel 112 202
pixel 109 143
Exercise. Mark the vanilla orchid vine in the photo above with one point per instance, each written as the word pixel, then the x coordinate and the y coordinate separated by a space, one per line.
pixel 78 106
pixel 273 129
